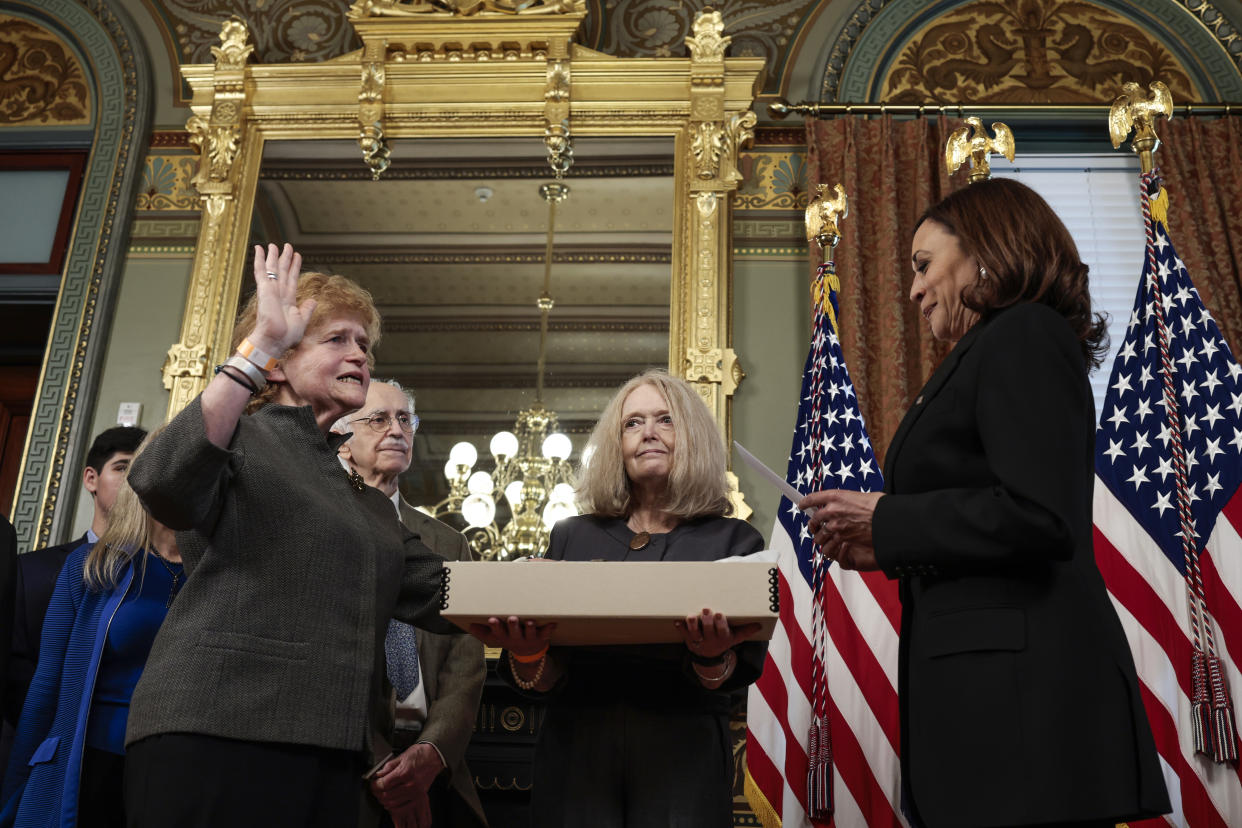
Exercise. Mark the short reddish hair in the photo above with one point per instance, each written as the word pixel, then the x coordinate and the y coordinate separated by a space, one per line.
pixel 335 296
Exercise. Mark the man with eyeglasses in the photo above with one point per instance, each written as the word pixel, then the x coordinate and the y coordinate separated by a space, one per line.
pixel 437 680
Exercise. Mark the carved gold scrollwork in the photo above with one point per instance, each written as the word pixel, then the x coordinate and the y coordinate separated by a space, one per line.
pixel 375 151
pixel 218 138
pixel 708 41
pixel 707 144
pixel 463 8
pixel 556 134
pixel 233 50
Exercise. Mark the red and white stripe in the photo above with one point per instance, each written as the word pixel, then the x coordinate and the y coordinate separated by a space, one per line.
pixel 863 617
pixel 1151 600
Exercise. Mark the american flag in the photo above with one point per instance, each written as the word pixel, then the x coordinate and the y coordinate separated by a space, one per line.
pixel 1167 522
pixel 833 656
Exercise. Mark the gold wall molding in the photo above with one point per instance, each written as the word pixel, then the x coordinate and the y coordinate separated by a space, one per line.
pixel 43 80
pixel 237 108
pixel 416 170
pixel 529 255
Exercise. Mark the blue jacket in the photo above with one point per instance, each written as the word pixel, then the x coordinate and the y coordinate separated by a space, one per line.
pixel 42 781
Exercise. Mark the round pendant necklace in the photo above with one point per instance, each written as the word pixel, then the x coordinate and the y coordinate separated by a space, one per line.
pixel 641 538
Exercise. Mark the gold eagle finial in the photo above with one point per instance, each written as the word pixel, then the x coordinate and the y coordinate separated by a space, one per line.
pixel 822 215
pixel 1134 109
pixel 962 144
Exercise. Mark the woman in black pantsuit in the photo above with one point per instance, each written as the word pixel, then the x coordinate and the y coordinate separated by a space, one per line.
pixel 638 736
pixel 1019 699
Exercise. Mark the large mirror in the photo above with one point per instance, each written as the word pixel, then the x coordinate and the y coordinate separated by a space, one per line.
pixel 451 243
pixel 415 165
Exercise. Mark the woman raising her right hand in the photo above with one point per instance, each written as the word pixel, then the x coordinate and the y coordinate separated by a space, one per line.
pixel 262 677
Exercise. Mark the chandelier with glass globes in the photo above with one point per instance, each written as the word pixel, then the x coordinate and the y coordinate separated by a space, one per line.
pixel 532 473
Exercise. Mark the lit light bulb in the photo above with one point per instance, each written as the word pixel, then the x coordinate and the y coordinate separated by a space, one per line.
pixel 450 471
pixel 562 492
pixel 504 444
pixel 478 510
pixel 557 446
pixel 480 483
pixel 464 454
pixel 514 493
pixel 555 511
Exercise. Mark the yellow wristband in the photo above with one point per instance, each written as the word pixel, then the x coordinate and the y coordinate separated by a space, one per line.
pixel 260 359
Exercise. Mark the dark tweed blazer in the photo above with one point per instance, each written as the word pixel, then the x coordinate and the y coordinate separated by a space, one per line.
pixel 1019 699
pixel 292 575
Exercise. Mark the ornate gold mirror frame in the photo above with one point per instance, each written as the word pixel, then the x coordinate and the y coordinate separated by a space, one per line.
pixel 437 69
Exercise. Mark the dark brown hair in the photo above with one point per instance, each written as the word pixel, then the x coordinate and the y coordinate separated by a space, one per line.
pixel 1027 252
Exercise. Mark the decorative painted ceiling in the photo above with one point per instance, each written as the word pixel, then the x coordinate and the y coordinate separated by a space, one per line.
pixel 41 79
pixel 1059 51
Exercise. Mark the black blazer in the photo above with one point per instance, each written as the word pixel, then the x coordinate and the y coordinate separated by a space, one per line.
pixel 1019 699
pixel 36 573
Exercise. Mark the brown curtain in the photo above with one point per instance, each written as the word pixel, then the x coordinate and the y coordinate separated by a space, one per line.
pixel 891 170
pixel 1201 162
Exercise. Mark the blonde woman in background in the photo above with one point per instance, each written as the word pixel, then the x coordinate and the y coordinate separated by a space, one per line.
pixel 68 756
pixel 638 736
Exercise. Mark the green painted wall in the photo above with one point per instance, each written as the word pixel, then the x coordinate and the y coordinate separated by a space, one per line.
pixel 771 332
pixel 147 320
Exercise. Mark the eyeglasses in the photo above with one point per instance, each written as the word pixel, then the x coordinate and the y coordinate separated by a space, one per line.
pixel 380 422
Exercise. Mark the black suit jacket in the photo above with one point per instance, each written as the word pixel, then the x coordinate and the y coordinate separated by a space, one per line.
pixel 36 573
pixel 1019 698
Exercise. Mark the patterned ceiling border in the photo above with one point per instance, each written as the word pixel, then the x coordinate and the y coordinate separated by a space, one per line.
pixel 300 31
pixel 60 419
pixel 872 32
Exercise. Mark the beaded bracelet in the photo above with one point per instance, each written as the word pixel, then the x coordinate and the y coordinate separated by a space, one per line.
pixel 523 683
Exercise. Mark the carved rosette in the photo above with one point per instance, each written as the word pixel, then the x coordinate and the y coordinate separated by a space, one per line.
pixel 217 135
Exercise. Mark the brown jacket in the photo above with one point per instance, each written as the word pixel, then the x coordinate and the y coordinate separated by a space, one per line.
pixel 452 672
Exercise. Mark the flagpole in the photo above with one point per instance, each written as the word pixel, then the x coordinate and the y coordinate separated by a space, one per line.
pixel 823 215
pixel 1212 718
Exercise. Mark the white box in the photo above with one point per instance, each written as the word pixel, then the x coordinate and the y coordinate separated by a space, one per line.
pixel 604 602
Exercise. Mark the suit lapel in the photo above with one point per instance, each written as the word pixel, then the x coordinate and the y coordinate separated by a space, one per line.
pixel 933 386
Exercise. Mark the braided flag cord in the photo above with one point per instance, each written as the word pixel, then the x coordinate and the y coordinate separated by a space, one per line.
pixel 1167 515
pixel 822 719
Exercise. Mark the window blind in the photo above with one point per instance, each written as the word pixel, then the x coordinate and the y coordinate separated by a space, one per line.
pixel 1097 196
